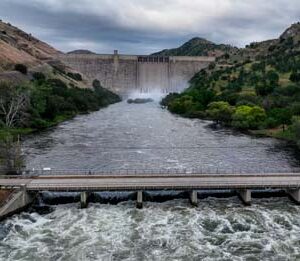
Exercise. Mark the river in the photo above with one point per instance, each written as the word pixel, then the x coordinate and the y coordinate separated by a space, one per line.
pixel 146 137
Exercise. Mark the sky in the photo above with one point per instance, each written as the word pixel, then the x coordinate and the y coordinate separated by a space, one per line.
pixel 147 26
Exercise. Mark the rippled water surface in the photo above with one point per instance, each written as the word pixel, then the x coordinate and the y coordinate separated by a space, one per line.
pixel 146 137
pixel 219 229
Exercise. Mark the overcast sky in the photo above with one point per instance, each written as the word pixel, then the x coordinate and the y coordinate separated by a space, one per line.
pixel 146 26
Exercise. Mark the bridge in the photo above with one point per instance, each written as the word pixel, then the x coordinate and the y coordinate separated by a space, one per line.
pixel 126 73
pixel 243 184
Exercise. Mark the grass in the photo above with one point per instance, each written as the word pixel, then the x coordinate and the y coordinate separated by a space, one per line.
pixel 278 133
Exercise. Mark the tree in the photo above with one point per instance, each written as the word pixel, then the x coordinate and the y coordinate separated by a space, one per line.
pixel 11 155
pixel 272 77
pixel 281 116
pixel 296 129
pixel 220 111
pixel 14 102
pixel 96 83
pixel 21 68
pixel 39 76
pixel 246 117
pixel 264 89
pixel 295 77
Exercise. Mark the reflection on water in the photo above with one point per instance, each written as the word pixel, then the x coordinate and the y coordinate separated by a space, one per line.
pixel 144 136
pixel 219 229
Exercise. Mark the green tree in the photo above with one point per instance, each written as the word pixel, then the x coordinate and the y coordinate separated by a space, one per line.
pixel 296 129
pixel 282 116
pixel 96 83
pixel 246 117
pixel 272 77
pixel 295 77
pixel 264 89
pixel 220 111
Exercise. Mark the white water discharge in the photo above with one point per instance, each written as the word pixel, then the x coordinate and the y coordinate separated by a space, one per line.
pixel 219 229
pixel 144 137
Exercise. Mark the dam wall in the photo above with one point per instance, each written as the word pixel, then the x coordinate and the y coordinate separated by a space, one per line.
pixel 127 73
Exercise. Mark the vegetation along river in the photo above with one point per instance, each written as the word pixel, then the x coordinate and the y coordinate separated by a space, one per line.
pixel 145 137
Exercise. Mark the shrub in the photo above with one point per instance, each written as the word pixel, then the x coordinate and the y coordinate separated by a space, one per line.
pixel 296 129
pixel 246 117
pixel 96 83
pixel 220 111
pixel 21 68
pixel 39 76
pixel 295 77
pixel 264 89
pixel 75 76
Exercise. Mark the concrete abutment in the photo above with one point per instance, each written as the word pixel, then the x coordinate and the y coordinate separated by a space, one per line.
pixel 16 202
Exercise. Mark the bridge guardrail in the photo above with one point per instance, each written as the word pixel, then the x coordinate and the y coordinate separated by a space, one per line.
pixel 153 172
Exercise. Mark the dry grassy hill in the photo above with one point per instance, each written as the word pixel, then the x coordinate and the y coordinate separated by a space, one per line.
pixel 19 47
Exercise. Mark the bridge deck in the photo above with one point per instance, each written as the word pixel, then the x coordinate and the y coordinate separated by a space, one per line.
pixel 151 182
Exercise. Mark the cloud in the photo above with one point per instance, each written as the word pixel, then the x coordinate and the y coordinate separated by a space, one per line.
pixel 143 26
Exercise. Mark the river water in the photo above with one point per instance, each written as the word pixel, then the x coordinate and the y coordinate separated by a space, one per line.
pixel 146 137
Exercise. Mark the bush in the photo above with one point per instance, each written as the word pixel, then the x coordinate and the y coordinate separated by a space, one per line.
pixel 295 77
pixel 96 83
pixel 220 111
pixel 296 129
pixel 75 76
pixel 183 105
pixel 21 68
pixel 263 89
pixel 246 117
pixel 280 116
pixel 39 76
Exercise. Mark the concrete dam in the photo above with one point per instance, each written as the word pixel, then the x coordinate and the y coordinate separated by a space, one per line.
pixel 126 73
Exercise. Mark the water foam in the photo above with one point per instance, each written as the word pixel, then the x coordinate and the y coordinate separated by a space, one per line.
pixel 218 229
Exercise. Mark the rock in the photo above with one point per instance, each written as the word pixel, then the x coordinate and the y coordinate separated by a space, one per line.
pixel 139 100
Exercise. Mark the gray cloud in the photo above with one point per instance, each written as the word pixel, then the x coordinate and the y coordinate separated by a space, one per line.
pixel 142 26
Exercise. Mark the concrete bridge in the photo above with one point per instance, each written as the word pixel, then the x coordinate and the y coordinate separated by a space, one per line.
pixel 127 73
pixel 243 184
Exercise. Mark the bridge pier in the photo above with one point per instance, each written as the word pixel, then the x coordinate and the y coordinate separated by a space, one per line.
pixel 245 196
pixel 84 199
pixel 139 199
pixel 294 195
pixel 193 196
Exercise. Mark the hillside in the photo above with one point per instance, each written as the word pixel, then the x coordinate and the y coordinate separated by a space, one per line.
pixel 17 46
pixel 198 47
pixel 41 90
pixel 256 88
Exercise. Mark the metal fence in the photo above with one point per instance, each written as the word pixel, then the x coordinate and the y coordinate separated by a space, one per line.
pixel 160 172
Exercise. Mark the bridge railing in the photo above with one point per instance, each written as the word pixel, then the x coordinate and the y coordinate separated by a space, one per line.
pixel 161 172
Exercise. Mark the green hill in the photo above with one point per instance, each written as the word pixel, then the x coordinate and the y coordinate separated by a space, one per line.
pixel 198 47
pixel 255 88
